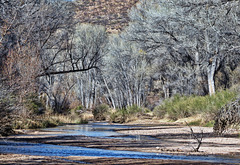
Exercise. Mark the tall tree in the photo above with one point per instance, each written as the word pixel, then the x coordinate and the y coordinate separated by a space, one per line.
pixel 85 51
pixel 125 75
pixel 28 29
pixel 40 40
pixel 198 37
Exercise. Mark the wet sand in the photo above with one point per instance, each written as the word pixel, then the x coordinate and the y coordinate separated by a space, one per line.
pixel 34 160
pixel 159 138
pixel 179 139
pixel 170 139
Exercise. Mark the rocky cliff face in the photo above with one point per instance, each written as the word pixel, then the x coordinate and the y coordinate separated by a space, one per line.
pixel 113 14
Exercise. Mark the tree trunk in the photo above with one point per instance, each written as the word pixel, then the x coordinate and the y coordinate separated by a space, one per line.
pixel 166 90
pixel 199 86
pixel 110 94
pixel 211 72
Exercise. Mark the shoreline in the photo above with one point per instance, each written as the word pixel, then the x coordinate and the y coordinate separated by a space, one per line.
pixel 177 138
pixel 28 159
pixel 172 139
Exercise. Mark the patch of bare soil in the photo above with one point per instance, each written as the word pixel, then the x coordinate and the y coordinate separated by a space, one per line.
pixel 179 139
pixel 99 160
pixel 27 159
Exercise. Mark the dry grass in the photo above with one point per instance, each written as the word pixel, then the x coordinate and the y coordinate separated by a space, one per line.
pixel 45 121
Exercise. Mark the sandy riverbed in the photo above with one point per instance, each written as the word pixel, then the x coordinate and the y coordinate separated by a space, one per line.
pixel 34 160
pixel 179 139
pixel 171 138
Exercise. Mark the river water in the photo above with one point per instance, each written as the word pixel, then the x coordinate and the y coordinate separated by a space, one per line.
pixel 101 130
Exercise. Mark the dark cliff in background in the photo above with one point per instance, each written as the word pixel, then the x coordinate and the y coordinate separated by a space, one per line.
pixel 113 14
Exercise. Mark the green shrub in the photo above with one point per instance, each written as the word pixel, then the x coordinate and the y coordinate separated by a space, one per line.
pixel 81 121
pixel 33 105
pixel 48 123
pixel 195 123
pixel 100 112
pixel 119 116
pixel 183 106
pixel 134 109
pixel 127 114
pixel 160 111
pixel 77 110
pixel 209 123
pixel 146 110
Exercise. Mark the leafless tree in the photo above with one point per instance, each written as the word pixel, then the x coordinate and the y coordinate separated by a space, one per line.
pixel 195 39
pixel 81 52
pixel 125 76
pixel 85 51
pixel 28 29
pixel 40 40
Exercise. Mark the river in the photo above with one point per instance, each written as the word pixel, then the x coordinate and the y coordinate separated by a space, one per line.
pixel 100 130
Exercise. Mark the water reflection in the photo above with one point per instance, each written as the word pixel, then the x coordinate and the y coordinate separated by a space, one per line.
pixel 100 130
pixel 93 130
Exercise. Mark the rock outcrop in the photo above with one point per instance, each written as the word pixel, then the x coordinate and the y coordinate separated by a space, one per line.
pixel 113 14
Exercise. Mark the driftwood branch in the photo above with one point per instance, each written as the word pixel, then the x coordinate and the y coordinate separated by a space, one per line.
pixel 198 139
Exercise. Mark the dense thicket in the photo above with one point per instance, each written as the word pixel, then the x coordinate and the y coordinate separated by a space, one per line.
pixel 29 30
pixel 185 46
pixel 190 41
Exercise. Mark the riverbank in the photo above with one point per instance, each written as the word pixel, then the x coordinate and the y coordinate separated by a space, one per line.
pixel 178 138
pixel 149 136
pixel 164 138
pixel 34 160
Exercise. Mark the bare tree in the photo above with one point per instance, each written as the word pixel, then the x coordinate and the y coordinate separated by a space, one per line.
pixel 227 116
pixel 28 29
pixel 39 39
pixel 199 37
pixel 125 75
pixel 85 50
pixel 82 51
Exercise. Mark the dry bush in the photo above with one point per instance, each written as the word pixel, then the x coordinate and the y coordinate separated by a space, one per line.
pixel 100 112
pixel 228 115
